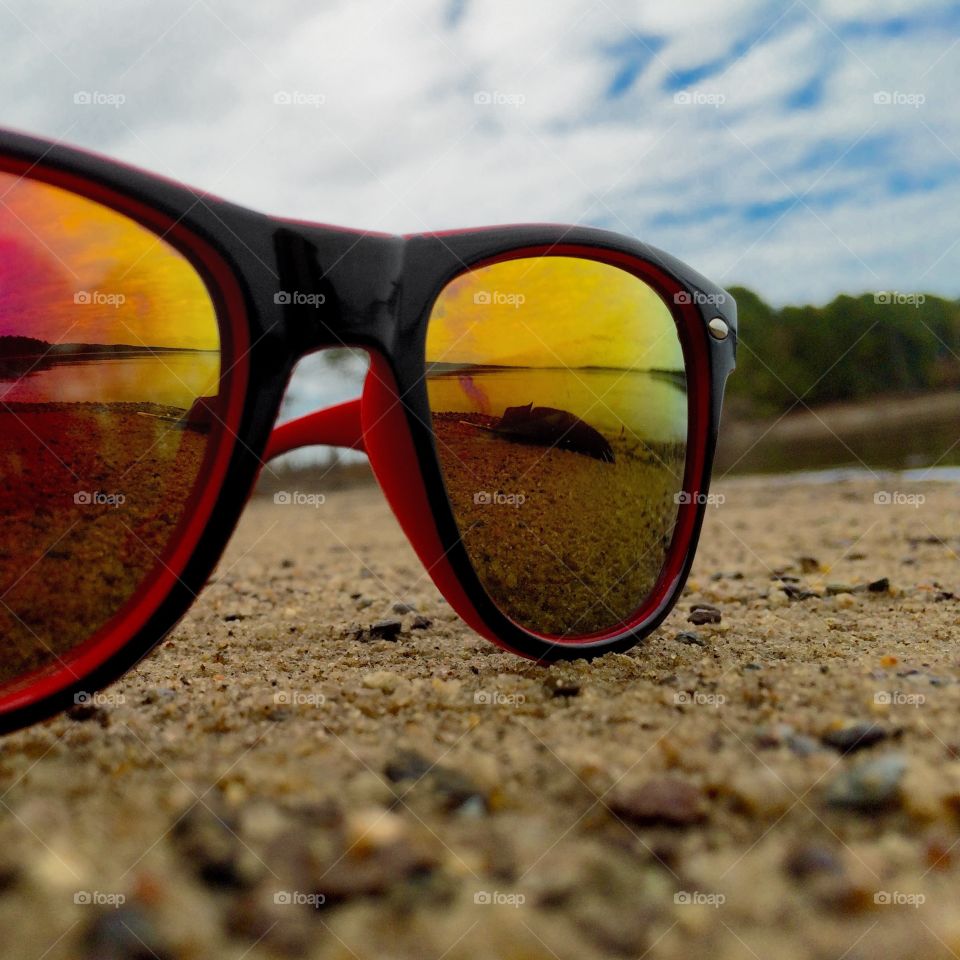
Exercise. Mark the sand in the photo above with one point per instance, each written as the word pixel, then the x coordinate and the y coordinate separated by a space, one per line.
pixel 289 776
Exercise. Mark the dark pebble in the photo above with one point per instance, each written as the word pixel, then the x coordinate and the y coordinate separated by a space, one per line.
pixel 85 712
pixel 386 629
pixel 810 859
pixel 809 564
pixel 669 801
pixel 124 933
pixel 453 788
pixel 794 592
pixel 702 613
pixel 856 736
pixel 208 842
pixel 691 638
pixel 879 586
pixel 421 623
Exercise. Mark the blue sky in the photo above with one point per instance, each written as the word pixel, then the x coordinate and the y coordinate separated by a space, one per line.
pixel 801 148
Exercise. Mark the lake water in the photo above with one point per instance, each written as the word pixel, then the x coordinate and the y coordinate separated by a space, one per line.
pixel 916 446
pixel 650 404
pixel 175 379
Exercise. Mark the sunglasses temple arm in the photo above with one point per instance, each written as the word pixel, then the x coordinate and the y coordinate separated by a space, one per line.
pixel 338 426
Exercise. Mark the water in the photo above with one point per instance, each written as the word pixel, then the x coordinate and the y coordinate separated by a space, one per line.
pixel 924 444
pixel 175 379
pixel 649 403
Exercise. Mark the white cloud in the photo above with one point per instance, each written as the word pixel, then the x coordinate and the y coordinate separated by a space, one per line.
pixel 399 142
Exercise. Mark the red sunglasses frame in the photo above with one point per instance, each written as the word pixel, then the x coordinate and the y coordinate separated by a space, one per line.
pixel 378 293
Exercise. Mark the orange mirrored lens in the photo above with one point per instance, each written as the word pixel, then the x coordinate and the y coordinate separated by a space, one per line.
pixel 109 381
pixel 559 403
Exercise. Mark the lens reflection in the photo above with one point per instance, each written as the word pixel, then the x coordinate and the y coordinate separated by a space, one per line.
pixel 109 380
pixel 558 395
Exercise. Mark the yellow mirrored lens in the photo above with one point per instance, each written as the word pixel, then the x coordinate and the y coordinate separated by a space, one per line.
pixel 559 404
pixel 109 382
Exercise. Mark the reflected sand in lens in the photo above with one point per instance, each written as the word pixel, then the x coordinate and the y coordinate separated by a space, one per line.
pixel 564 540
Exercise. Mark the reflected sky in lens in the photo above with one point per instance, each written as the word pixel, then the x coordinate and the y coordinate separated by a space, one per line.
pixel 552 311
pixel 72 271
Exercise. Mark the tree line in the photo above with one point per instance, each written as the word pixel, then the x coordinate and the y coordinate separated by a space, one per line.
pixel 853 348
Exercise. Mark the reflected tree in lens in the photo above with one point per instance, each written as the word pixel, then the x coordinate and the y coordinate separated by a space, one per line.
pixel 558 395
pixel 109 380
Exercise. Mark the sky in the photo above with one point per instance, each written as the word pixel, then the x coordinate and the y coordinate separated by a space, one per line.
pixel 802 149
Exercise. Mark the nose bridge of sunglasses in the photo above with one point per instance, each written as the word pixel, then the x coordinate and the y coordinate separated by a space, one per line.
pixel 338 426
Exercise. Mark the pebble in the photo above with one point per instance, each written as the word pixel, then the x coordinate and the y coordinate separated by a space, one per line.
pixel 453 788
pixel 421 623
pixel 794 592
pixel 84 712
pixel 401 608
pixel 209 843
pixel 835 589
pixel 809 859
pixel 879 586
pixel 854 736
pixel 809 564
pixel 701 613
pixel 691 638
pixel 124 933
pixel 662 800
pixel 870 786
pixel 386 629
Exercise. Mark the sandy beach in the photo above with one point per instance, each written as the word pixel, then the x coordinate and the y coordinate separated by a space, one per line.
pixel 323 762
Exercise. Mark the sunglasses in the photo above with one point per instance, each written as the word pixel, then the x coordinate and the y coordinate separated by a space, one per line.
pixel 541 411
